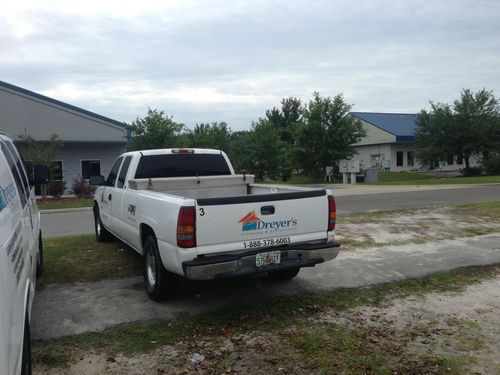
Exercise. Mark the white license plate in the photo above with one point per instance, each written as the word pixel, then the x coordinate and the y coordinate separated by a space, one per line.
pixel 271 257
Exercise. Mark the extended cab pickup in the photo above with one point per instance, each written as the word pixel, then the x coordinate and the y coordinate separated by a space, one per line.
pixel 189 214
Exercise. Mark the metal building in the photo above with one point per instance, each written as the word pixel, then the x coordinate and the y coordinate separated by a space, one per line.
pixel 390 143
pixel 90 142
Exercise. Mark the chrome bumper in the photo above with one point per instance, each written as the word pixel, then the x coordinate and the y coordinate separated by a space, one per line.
pixel 305 255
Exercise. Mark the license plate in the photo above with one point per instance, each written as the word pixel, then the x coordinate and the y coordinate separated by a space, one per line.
pixel 271 257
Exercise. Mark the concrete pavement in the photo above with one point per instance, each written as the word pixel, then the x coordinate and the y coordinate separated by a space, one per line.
pixel 62 310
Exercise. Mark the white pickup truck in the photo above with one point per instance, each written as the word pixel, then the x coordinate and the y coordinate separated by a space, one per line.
pixel 189 214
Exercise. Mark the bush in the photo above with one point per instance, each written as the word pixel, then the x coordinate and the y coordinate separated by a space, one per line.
pixel 56 188
pixel 492 164
pixel 81 188
pixel 473 171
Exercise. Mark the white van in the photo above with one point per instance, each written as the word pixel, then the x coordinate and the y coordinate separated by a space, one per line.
pixel 21 258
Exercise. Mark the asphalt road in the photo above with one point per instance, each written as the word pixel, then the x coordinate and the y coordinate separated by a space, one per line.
pixel 412 199
pixel 70 223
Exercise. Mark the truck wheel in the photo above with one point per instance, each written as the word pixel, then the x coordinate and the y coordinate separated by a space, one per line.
pixel 160 284
pixel 284 275
pixel 39 261
pixel 101 233
pixel 26 361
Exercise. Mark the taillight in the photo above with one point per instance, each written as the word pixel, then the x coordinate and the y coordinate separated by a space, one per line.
pixel 182 151
pixel 332 213
pixel 186 227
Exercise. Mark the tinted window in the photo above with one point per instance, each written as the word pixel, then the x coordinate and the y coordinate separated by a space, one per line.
pixel 123 172
pixel 181 165
pixel 15 173
pixel 114 171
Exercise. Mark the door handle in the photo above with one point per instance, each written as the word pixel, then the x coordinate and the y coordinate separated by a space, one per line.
pixel 267 210
pixel 109 197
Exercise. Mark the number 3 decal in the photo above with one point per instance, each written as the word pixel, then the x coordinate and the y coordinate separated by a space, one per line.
pixel 202 212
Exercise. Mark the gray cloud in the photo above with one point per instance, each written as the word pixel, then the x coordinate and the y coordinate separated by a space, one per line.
pixel 230 61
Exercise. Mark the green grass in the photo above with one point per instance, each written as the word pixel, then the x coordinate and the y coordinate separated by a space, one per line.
pixel 272 315
pixel 418 178
pixel 396 178
pixel 82 259
pixel 51 203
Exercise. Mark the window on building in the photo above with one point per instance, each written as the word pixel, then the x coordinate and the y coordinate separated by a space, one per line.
pixel 410 156
pixel 56 170
pixel 377 159
pixel 91 168
pixel 399 158
pixel 449 159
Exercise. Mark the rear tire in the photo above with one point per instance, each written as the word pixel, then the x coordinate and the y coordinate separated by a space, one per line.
pixel 101 233
pixel 284 275
pixel 26 361
pixel 159 283
pixel 39 261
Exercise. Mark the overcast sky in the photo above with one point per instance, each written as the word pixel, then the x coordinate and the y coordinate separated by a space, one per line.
pixel 204 61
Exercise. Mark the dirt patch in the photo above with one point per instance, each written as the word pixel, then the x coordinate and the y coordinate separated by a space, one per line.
pixel 412 226
pixel 439 333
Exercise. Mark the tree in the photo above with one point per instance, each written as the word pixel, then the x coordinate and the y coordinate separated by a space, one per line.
pixel 265 150
pixel 466 129
pixel 156 130
pixel 327 134
pixel 286 121
pixel 215 135
pixel 40 153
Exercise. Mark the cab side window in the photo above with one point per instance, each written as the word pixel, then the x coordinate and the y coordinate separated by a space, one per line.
pixel 20 165
pixel 15 173
pixel 123 172
pixel 114 172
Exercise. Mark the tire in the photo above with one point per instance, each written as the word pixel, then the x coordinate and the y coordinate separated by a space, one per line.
pixel 159 283
pixel 39 261
pixel 26 361
pixel 284 275
pixel 101 233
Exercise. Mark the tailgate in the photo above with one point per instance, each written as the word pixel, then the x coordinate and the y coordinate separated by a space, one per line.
pixel 259 221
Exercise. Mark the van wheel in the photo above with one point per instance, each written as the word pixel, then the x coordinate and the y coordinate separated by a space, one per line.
pixel 284 275
pixel 26 362
pixel 101 233
pixel 160 284
pixel 39 261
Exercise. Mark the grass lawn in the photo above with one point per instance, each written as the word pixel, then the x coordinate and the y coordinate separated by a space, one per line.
pixel 52 203
pixel 395 178
pixel 417 178
pixel 82 259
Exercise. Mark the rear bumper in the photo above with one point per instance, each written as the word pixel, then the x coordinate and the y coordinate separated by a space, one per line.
pixel 302 255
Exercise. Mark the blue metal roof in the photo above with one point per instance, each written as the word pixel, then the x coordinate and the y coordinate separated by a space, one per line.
pixel 402 125
pixel 59 103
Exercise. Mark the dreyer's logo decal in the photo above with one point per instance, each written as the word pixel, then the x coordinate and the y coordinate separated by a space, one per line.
pixel 251 222
pixel 6 195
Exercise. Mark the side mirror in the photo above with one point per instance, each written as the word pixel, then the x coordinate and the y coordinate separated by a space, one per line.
pixel 41 174
pixel 96 180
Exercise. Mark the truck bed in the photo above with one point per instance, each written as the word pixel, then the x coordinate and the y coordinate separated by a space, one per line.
pixel 207 189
